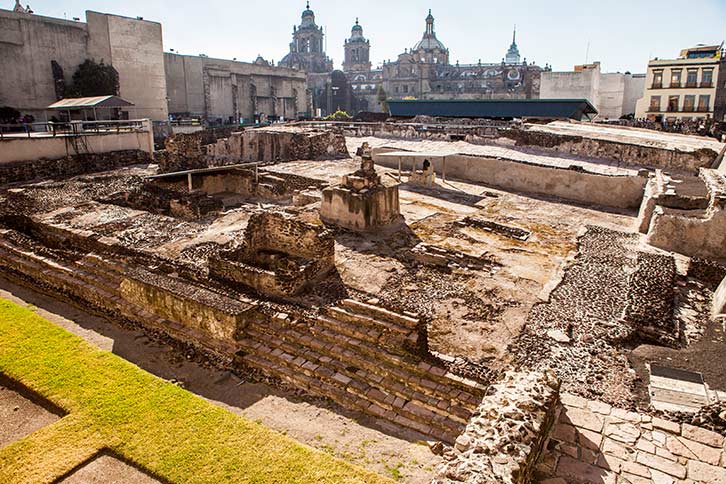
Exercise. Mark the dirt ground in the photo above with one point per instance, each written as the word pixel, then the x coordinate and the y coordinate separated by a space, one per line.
pixel 108 470
pixel 20 417
pixel 315 423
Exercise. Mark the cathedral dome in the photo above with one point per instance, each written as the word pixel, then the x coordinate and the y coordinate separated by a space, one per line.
pixel 308 17
pixel 429 42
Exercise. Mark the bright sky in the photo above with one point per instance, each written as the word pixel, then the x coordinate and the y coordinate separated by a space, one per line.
pixel 621 34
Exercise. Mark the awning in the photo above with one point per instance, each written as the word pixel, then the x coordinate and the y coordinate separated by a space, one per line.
pixel 494 108
pixel 90 102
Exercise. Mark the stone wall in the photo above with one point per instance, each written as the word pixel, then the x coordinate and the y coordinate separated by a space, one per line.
pixel 575 184
pixel 202 149
pixel 73 165
pixel 696 233
pixel 506 435
pixel 280 256
pixel 512 134
pixel 207 318
pixel 155 199
pixel 367 210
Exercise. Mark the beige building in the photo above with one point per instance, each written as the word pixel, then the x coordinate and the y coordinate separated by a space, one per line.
pixel 224 91
pixel 613 94
pixel 682 88
pixel 39 55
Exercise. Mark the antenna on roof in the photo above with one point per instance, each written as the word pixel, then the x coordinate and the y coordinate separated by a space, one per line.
pixel 587 53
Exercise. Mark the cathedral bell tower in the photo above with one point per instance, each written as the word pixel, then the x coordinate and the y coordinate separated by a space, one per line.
pixel 357 51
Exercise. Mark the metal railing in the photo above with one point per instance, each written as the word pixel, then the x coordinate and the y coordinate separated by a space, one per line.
pixel 70 128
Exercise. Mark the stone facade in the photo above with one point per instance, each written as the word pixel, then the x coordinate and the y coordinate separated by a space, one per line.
pixel 423 72
pixel 506 435
pixel 280 256
pixel 361 202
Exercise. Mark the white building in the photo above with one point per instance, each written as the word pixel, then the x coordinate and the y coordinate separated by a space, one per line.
pixel 613 94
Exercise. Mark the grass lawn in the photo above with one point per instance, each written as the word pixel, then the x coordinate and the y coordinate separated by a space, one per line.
pixel 112 404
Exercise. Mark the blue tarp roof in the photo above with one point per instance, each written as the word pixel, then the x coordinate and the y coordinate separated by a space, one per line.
pixel 494 108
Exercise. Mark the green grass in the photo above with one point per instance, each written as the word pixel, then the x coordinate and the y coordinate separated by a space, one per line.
pixel 114 405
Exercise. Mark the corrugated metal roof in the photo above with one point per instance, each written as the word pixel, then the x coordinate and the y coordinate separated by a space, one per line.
pixel 90 102
pixel 494 108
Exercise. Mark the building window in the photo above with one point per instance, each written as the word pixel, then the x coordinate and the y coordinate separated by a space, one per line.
pixel 704 103
pixel 405 89
pixel 657 79
pixel 707 78
pixel 395 89
pixel 676 78
pixel 692 78
pixel 689 103
pixel 654 104
pixel 673 103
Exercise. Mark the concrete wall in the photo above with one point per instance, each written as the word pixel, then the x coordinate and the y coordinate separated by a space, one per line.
pixel 612 94
pixel 134 47
pixel 219 89
pixel 28 44
pixel 55 148
pixel 574 185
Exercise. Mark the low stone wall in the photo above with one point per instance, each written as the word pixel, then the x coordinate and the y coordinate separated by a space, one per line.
pixel 572 184
pixel 155 199
pixel 694 233
pixel 207 318
pixel 512 134
pixel 18 171
pixel 279 256
pixel 507 434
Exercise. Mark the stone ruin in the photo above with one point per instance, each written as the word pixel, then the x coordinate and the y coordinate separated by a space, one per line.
pixel 362 201
pixel 280 255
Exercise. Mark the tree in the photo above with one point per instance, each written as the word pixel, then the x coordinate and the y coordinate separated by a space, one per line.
pixel 382 98
pixel 95 79
pixel 8 115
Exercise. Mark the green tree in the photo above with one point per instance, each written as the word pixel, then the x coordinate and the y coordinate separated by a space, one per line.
pixel 95 79
pixel 382 98
pixel 8 115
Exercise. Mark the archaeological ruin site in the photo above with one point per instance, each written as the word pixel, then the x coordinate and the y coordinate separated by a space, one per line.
pixel 432 301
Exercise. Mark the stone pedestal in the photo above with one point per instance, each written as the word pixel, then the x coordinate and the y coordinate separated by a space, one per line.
pixel 362 202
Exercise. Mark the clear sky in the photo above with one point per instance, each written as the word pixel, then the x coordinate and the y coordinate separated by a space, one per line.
pixel 622 34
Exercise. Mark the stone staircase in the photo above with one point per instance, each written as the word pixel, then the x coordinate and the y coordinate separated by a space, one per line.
pixel 355 354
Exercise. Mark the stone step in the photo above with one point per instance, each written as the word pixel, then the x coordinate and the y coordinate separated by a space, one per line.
pixel 367 398
pixel 380 313
pixel 433 380
pixel 441 403
pixel 391 331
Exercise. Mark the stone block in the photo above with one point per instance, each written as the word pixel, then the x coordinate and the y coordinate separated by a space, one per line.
pixel 584 419
pixel 701 472
pixel 660 464
pixel 581 472
pixel 703 436
pixel 691 449
pixel 667 425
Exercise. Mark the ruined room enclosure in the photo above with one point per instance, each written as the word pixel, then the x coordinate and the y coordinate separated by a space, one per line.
pixel 405 326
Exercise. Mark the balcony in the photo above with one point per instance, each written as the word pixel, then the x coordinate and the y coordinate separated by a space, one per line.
pixel 672 109
pixel 654 109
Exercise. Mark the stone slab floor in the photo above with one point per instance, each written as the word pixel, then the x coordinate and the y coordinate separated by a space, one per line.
pixel 20 417
pixel 595 443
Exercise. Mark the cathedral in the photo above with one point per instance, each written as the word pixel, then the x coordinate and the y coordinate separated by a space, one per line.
pixel 422 72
